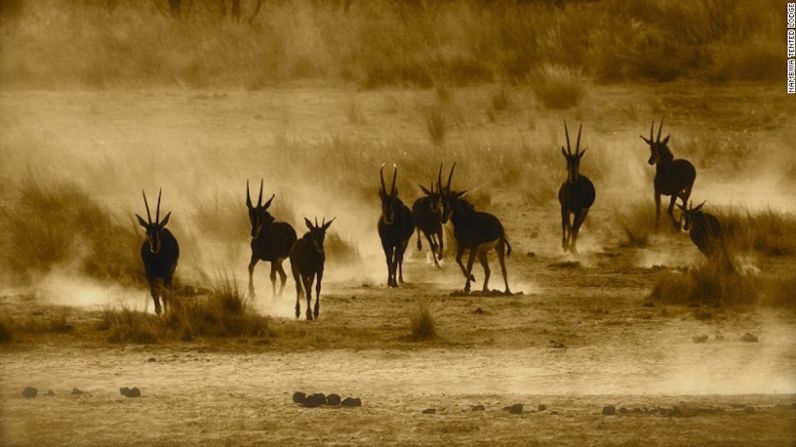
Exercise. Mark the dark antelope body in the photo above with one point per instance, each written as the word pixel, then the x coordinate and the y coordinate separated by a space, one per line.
pixel 160 253
pixel 307 260
pixel 427 214
pixel 396 226
pixel 477 232
pixel 271 240
pixel 705 232
pixel 576 195
pixel 673 177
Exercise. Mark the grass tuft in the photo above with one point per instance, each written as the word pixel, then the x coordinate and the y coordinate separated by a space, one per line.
pixel 709 285
pixel 436 125
pixel 422 324
pixel 558 87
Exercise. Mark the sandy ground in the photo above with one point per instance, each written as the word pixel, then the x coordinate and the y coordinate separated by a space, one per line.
pixel 579 335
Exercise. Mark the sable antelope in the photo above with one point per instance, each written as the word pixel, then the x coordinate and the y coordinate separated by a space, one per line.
pixel 159 252
pixel 476 231
pixel 705 232
pixel 396 226
pixel 271 240
pixel 306 261
pixel 427 214
pixel 673 177
pixel 576 195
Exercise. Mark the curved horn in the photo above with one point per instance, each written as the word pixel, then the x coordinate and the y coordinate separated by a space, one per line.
pixel 316 221
pixel 439 178
pixel 659 132
pixel 248 195
pixel 577 145
pixel 566 131
pixel 394 177
pixel 450 177
pixel 260 198
pixel 157 213
pixel 148 216
pixel 381 176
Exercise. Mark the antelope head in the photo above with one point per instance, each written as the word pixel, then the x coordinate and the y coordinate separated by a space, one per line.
pixel 658 148
pixel 573 159
pixel 258 215
pixel 434 197
pixel 153 229
pixel 689 212
pixel 318 232
pixel 389 199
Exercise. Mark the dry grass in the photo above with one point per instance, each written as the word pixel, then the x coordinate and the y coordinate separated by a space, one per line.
pixel 559 87
pixel 770 233
pixel 60 224
pixel 224 312
pixel 458 42
pixel 436 125
pixel 422 324
pixel 708 285
pixel 638 223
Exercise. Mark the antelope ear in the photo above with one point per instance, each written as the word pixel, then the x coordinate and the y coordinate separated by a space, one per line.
pixel 308 224
pixel 580 155
pixel 425 191
pixel 699 207
pixel 460 193
pixel 564 152
pixel 165 220
pixel 666 140
pixel 645 139
pixel 682 207
pixel 141 221
pixel 328 224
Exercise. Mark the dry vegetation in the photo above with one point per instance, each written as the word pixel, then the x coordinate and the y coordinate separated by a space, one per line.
pixel 386 43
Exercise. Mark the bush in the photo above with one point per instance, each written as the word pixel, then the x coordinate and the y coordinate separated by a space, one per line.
pixel 130 326
pixel 422 324
pixel 559 87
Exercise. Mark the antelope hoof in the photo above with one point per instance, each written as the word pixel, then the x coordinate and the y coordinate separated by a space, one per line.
pixel 158 310
pixel 251 293
pixel 472 278
pixel 309 316
pixel 507 292
pixel 316 314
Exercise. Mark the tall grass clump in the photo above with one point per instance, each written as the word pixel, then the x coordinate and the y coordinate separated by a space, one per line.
pixel 436 125
pixel 709 284
pixel 225 312
pixel 558 87
pixel 60 225
pixel 638 223
pixel 422 324
pixel 131 326
pixel 769 232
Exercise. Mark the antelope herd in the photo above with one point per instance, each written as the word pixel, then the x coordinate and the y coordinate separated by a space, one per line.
pixel 474 231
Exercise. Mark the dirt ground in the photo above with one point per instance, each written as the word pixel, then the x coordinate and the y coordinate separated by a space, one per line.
pixel 579 333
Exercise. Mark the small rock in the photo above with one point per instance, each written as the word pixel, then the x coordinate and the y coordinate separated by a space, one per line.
pixel 478 311
pixel 514 409
pixel 554 412
pixel 315 400
pixel 749 338
pixel 478 407
pixel 351 402
pixel 541 407
pixel 299 397
pixel 333 399
pixel 29 392
pixel 50 393
pixel 648 304
pixel 130 392
pixel 530 254
pixel 429 411
pixel 77 391
pixel 700 338
pixel 556 344
pixel 152 360
pixel 609 410
pixel 750 410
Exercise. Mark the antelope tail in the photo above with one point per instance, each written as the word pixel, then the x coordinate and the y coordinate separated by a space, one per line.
pixel 508 246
